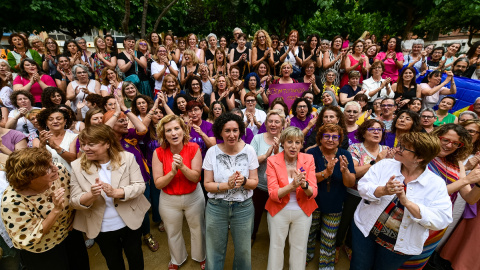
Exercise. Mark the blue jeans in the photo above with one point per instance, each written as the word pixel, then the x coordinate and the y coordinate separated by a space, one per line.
pixel 367 254
pixel 239 215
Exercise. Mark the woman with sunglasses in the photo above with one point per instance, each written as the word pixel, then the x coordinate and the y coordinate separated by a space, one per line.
pixel 334 172
pixel 404 122
pixel 390 227
pixel 443 115
pixel 460 249
pixel 455 146
pixel 365 154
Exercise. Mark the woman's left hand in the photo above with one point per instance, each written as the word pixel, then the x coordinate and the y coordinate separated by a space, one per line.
pixel 109 190
pixel 343 164
pixel 58 199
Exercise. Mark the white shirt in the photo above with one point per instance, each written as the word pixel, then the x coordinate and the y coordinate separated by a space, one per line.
pixel 223 166
pixel 428 191
pixel 370 85
pixel 111 219
pixel 292 203
pixel 5 93
pixel 22 121
pixel 110 90
pixel 260 115
pixel 156 68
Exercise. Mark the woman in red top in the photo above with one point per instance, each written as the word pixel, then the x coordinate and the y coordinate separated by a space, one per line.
pixel 176 170
pixel 32 78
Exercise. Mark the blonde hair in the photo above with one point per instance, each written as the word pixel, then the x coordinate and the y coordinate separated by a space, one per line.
pixel 164 85
pixel 268 40
pixel 96 46
pixel 162 141
pixel 291 133
pixel 140 40
pixel 192 54
pixel 101 134
pixel 276 112
pixel 155 57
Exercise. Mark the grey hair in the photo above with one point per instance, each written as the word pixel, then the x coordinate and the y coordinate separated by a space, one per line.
pixel 74 70
pixel 353 103
pixel 211 35
pixel 237 110
pixel 276 112
pixel 418 42
pixel 332 95
pixel 429 110
pixel 378 98
pixel 237 29
pixel 478 98
pixel 80 38
pixel 5 62
pixel 474 115
pixel 325 41
pixel 331 70
pixel 32 39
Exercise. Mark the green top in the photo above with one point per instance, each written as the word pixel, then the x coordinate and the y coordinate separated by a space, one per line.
pixel 15 58
pixel 449 119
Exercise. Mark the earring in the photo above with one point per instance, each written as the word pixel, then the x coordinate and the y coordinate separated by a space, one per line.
pixel 66 127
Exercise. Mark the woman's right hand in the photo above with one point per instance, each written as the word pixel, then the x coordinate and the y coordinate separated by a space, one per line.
pixel 393 186
pixel 232 180
pixel 22 112
pixel 331 165
pixel 96 189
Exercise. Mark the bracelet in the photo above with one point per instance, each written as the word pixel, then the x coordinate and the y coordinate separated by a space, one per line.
pixel 218 187
pixel 476 184
pixel 115 114
pixel 61 152
pixel 126 111
pixel 244 181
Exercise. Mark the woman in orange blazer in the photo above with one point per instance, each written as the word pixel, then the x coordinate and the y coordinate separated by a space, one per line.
pixel 292 188
pixel 107 190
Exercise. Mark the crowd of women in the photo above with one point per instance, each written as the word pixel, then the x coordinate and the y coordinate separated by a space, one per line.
pixel 366 160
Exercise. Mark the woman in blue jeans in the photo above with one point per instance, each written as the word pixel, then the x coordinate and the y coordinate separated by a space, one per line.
pixel 230 177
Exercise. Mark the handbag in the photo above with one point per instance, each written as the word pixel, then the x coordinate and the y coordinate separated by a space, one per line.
pixel 134 77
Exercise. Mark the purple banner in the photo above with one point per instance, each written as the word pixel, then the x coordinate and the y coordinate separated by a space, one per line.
pixel 288 92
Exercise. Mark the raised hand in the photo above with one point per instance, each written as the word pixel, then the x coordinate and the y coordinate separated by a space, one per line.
pixel 343 164
pixel 58 199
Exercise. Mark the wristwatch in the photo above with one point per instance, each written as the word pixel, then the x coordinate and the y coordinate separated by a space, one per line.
pixel 61 152
pixel 306 186
pixel 372 162
pixel 126 111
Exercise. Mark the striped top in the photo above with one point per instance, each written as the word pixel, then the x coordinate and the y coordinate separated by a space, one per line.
pixel 447 171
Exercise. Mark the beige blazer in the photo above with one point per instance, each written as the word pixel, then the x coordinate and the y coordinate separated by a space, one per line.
pixel 131 209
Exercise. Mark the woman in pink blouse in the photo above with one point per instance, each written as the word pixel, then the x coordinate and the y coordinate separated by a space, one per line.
pixel 393 59
pixel 32 78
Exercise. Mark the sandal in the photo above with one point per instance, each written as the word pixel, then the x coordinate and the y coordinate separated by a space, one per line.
pixel 161 226
pixel 337 254
pixel 151 242
pixel 202 265
pixel 172 266
pixel 349 252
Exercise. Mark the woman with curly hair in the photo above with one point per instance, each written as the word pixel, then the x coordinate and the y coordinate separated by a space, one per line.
pixel 53 96
pixel 55 137
pixel 261 48
pixel 230 170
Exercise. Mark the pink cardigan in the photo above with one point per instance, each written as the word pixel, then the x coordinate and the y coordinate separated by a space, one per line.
pixel 277 177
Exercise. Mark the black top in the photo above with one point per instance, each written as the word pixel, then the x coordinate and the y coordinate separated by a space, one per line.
pixel 312 140
pixel 244 68
pixel 58 76
pixel 317 99
pixel 209 55
pixel 141 72
pixel 224 100
pixel 206 100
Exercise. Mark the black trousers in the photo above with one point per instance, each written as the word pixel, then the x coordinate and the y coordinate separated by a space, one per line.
pixel 71 254
pixel 127 240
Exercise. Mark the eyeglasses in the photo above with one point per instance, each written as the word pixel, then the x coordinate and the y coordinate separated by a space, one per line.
pixel 373 130
pixel 81 42
pixel 274 41
pixel 427 117
pixel 330 136
pixel 352 111
pixel 195 84
pixel 82 72
pixel 250 101
pixel 52 168
pixel 142 43
pixel 387 105
pixel 401 149
pixel 473 132
pixel 446 141
pixel 302 106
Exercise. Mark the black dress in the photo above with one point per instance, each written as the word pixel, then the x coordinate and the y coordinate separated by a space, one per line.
pixel 243 65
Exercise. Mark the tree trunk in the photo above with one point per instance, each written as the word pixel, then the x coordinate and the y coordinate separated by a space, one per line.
pixel 144 18
pixel 283 27
pixel 164 11
pixel 126 18
pixel 471 33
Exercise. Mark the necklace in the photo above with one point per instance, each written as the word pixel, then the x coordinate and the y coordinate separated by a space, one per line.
pixel 292 164
pixel 329 179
